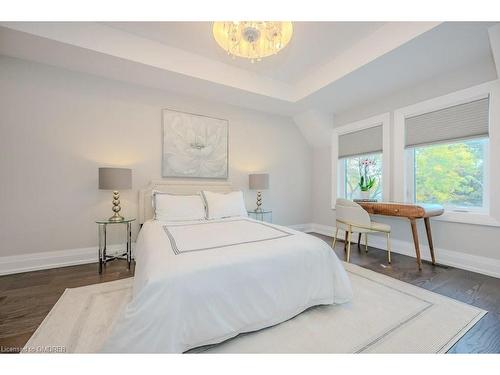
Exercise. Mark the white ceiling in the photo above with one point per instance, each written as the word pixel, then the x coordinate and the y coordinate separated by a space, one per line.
pixel 441 51
pixel 329 66
pixel 312 44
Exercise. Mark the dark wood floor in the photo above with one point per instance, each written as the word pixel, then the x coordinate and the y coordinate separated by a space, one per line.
pixel 469 287
pixel 26 298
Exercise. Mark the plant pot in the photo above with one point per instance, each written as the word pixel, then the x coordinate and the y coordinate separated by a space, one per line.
pixel 365 194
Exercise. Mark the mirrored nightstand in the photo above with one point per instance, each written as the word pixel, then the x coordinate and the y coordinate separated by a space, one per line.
pixel 103 257
pixel 262 215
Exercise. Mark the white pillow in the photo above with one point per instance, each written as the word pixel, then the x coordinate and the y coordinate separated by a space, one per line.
pixel 224 205
pixel 171 207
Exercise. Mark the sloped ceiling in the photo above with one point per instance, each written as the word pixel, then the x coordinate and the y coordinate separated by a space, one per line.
pixel 328 68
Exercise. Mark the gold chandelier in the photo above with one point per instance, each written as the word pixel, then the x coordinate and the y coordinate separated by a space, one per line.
pixel 252 39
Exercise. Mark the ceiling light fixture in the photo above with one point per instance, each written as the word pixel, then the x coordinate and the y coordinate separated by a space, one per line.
pixel 252 39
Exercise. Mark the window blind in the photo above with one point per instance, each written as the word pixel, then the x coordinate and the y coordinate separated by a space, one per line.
pixel 366 141
pixel 463 121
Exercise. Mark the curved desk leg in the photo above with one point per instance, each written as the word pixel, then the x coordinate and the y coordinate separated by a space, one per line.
pixel 415 240
pixel 429 238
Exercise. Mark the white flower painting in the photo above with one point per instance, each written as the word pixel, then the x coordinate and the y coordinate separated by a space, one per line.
pixel 194 146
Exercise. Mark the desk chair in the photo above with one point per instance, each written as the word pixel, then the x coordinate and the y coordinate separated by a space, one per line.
pixel 352 218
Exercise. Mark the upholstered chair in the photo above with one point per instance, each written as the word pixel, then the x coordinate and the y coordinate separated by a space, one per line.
pixel 352 218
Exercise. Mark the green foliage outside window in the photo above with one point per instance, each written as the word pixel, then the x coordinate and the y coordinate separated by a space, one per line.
pixel 450 174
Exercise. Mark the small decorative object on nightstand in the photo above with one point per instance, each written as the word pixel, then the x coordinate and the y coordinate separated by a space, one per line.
pixel 261 215
pixel 258 182
pixel 115 179
pixel 103 257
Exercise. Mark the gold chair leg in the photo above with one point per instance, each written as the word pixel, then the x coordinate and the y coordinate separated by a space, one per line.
pixel 349 235
pixel 366 242
pixel 389 247
pixel 335 238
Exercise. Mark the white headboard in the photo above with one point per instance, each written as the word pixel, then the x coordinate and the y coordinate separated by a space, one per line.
pixel 176 187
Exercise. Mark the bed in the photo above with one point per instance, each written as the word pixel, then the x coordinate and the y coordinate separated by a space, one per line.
pixel 202 282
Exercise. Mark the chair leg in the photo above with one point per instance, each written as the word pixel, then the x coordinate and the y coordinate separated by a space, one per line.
pixel 345 241
pixel 335 238
pixel 389 247
pixel 366 242
pixel 349 235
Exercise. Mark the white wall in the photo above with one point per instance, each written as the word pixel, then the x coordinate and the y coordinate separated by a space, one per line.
pixel 322 187
pixel 464 238
pixel 57 127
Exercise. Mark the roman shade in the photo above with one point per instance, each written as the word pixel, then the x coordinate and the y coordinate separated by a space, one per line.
pixel 366 141
pixel 463 121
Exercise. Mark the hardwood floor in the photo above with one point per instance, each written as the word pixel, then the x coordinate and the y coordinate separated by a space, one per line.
pixel 469 287
pixel 26 298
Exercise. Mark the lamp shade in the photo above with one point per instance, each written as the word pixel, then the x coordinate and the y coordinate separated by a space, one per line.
pixel 258 181
pixel 115 178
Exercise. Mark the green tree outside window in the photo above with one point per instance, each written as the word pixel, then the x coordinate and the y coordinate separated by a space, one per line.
pixel 450 174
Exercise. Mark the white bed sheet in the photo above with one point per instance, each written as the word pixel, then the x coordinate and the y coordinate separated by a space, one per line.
pixel 205 289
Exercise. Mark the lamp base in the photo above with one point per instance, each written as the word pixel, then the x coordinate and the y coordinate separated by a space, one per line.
pixel 259 202
pixel 116 208
pixel 116 218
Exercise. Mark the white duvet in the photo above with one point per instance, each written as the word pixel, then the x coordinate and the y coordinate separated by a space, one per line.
pixel 202 283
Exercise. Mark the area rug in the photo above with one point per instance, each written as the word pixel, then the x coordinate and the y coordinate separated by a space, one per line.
pixel 385 316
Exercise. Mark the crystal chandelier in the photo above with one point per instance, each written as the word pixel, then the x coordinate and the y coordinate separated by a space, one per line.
pixel 252 39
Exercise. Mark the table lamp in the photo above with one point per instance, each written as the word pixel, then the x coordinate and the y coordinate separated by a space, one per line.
pixel 115 179
pixel 258 182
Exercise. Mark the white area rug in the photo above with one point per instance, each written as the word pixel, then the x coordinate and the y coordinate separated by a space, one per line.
pixel 385 316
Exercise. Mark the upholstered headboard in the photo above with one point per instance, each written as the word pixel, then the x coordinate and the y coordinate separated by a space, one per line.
pixel 176 187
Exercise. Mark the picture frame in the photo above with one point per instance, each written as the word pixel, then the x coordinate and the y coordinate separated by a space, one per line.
pixel 194 145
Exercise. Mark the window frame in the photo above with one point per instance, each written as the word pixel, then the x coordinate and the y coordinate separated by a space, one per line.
pixel 401 169
pixel 383 119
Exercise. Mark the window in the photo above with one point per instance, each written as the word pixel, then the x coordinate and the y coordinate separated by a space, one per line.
pixel 447 156
pixel 452 174
pixel 365 141
pixel 351 170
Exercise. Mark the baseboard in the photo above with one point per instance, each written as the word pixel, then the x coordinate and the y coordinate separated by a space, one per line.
pixel 301 227
pixel 63 258
pixel 469 262
pixel 71 257
pixel 53 259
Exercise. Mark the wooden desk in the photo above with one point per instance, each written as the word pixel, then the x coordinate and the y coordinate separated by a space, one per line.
pixel 411 212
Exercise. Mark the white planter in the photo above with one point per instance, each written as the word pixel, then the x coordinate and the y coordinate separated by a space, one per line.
pixel 365 194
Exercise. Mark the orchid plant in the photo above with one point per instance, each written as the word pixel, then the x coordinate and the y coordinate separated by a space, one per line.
pixel 366 181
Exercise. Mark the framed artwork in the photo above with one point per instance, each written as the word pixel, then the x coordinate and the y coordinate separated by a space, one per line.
pixel 194 145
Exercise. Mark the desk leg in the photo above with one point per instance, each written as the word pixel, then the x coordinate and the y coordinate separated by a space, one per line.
pixel 429 238
pixel 415 240
pixel 359 240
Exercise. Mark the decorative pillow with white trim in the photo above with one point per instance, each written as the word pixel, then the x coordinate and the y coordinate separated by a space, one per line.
pixel 173 207
pixel 224 205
